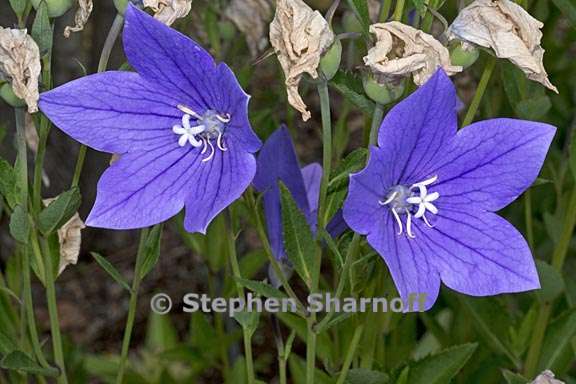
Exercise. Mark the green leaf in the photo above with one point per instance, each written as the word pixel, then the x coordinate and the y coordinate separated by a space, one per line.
pixel 568 9
pixel 513 378
pixel 42 30
pixel 350 86
pixel 420 6
pixel 112 271
pixel 353 162
pixel 19 361
pixel 298 372
pixel 551 281
pixel 248 320
pixel 8 184
pixel 19 225
pixel 366 376
pixel 151 250
pixel 441 367
pixel 59 211
pixel 360 9
pixel 18 6
pixel 261 288
pixel 533 108
pixel 558 338
pixel 298 239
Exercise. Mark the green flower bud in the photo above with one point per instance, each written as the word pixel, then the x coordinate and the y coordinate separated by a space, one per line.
pixel 382 93
pixel 7 94
pixel 330 61
pixel 464 56
pixel 56 8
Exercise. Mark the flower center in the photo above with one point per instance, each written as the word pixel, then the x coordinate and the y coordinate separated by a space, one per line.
pixel 413 201
pixel 207 127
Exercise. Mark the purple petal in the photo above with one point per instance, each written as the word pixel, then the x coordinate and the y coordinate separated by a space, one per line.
pixel 408 262
pixel 114 112
pixel 417 129
pixel 216 184
pixel 337 224
pixel 179 66
pixel 312 175
pixel 144 188
pixel 490 163
pixel 478 253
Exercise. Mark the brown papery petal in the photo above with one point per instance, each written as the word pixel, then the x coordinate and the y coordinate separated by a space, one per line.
pixel 167 11
pixel 546 377
pixel 251 17
pixel 81 17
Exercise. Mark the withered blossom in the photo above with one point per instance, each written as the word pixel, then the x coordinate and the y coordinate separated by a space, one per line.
pixel 251 17
pixel 299 36
pixel 81 17
pixel 546 377
pixel 509 30
pixel 402 50
pixel 20 64
pixel 167 11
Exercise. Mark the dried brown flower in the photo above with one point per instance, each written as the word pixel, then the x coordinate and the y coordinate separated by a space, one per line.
pixel 167 11
pixel 81 17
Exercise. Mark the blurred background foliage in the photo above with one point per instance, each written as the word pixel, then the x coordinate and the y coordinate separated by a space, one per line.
pixel 465 339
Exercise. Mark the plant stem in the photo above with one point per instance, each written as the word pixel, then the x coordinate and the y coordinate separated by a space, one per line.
pixel 484 80
pixel 310 349
pixel 376 121
pixel 399 10
pixel 350 354
pixel 528 218
pixel 132 306
pixel 545 312
pixel 247 333
pixel 326 151
pixel 102 64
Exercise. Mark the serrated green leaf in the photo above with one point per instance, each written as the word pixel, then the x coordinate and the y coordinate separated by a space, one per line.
pixel 19 225
pixel 298 239
pixel 59 211
pixel 352 89
pixel 558 338
pixel 551 281
pixel 8 183
pixel 261 288
pixel 441 367
pixel 19 361
pixel 42 30
pixel 111 270
pixel 366 376
pixel 151 250
pixel 513 378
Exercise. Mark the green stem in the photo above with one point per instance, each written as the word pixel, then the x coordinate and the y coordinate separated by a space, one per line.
pixel 376 121
pixel 132 307
pixel 49 277
pixel 245 331
pixel 326 150
pixel 102 64
pixel 399 10
pixel 545 312
pixel 310 349
pixel 350 354
pixel 484 80
pixel 528 218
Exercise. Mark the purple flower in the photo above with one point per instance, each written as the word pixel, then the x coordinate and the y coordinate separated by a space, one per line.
pixel 277 161
pixel 427 196
pixel 180 125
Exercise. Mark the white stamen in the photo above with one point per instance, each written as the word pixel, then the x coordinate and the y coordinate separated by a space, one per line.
pixel 397 217
pixel 212 150
pixel 220 143
pixel 205 146
pixel 409 225
pixel 389 200
pixel 188 111
pixel 426 221
pixel 223 119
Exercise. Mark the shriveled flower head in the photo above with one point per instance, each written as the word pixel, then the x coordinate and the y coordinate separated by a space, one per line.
pixel 180 125
pixel 426 199
pixel 546 377
pixel 167 11
pixel 251 17
pixel 277 161
pixel 402 50
pixel 20 64
pixel 509 30
pixel 81 17
pixel 299 36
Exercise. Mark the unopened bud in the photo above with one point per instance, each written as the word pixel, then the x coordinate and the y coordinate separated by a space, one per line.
pixel 383 93
pixel 330 61
pixel 464 55
pixel 7 94
pixel 56 8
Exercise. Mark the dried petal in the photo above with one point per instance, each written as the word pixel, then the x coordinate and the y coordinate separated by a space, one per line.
pixel 509 30
pixel 31 134
pixel 299 36
pixel 70 239
pixel 20 63
pixel 402 50
pixel 251 18
pixel 167 11
pixel 546 377
pixel 81 17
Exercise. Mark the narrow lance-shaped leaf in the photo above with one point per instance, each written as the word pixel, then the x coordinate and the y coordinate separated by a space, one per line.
pixel 557 341
pixel 111 270
pixel 441 367
pixel 19 225
pixel 57 213
pixel 261 288
pixel 42 30
pixel 151 250
pixel 19 361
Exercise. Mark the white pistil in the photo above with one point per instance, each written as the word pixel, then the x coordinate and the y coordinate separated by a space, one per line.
pixel 402 200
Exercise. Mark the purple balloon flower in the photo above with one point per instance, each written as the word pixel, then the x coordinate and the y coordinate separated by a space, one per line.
pixel 427 196
pixel 180 125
